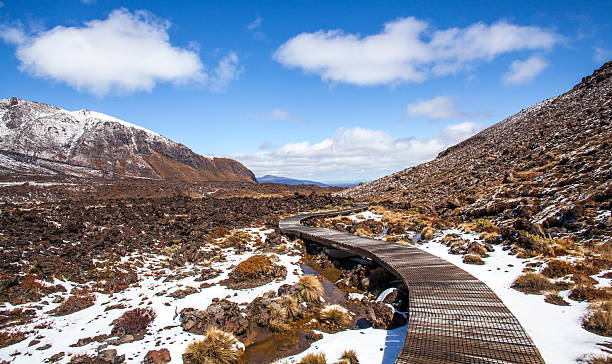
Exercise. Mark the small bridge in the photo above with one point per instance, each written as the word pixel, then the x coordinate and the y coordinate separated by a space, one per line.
pixel 453 317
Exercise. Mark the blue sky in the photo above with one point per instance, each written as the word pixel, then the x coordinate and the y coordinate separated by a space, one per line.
pixel 331 91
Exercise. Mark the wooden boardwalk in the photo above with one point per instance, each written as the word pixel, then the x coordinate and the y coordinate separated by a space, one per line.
pixel 453 317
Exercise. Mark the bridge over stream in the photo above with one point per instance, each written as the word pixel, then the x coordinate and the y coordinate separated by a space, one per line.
pixel 453 317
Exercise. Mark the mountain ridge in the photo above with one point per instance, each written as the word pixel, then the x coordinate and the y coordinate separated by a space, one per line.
pixel 41 139
pixel 548 164
pixel 268 178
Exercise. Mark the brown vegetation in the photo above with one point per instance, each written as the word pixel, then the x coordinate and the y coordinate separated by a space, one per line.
pixel 133 321
pixel 599 319
pixel 314 358
pixel 309 289
pixel 217 347
pixel 532 283
pixel 75 303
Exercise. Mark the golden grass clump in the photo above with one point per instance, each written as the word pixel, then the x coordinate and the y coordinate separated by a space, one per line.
pixel 335 318
pixel 314 358
pixel 392 217
pixel 599 319
pixel 473 259
pixel 427 233
pixel 349 357
pixel 217 347
pixel 309 289
pixel 484 225
pixel 558 268
pixel 600 359
pixel 252 268
pixel 379 210
pixel 586 293
pixel 290 304
pixel 532 283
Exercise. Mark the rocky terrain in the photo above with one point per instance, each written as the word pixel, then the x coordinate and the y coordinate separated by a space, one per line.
pixel 37 139
pixel 546 169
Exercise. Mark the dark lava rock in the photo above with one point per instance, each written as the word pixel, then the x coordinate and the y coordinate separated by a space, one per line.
pixel 220 313
pixel 384 317
pixel 161 356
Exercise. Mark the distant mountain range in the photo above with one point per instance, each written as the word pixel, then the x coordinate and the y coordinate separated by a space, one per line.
pixel 288 181
pixel 292 181
pixel 37 139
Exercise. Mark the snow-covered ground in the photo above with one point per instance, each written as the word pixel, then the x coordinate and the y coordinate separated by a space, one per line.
pixel 165 330
pixel 556 330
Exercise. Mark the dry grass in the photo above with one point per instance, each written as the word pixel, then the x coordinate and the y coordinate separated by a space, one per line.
pixel 309 289
pixel 585 293
pixel 335 318
pixel 217 347
pixel 427 233
pixel 532 283
pixel 314 358
pixel 599 319
pixel 290 304
pixel 349 357
pixel 600 359
pixel 472 259
pixel 252 268
pixel 484 225
pixel 558 268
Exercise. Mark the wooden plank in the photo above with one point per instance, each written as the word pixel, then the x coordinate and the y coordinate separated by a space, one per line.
pixel 453 317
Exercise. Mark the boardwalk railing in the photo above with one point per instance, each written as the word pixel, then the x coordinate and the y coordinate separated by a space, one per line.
pixel 453 317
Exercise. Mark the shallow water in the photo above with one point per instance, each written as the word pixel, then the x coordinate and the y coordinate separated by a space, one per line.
pixel 267 346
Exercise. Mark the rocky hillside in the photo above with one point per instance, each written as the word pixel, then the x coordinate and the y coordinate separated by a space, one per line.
pixel 550 164
pixel 37 139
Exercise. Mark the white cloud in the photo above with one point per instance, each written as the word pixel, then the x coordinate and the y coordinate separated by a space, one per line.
pixel 12 35
pixel 226 71
pixel 254 27
pixel 125 52
pixel 438 108
pixel 602 54
pixel 406 50
pixel 525 71
pixel 455 133
pixel 353 154
pixel 268 145
pixel 255 23
pixel 278 114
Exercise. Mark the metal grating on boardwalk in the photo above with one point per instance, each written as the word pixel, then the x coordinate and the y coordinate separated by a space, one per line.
pixel 453 317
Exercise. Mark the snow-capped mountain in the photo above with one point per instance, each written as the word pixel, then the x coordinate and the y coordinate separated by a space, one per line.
pixel 40 139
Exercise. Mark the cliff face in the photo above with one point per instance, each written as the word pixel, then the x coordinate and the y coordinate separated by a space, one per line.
pixel 549 163
pixel 40 139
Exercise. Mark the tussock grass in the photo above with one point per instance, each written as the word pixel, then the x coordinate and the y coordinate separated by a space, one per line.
pixel 600 359
pixel 217 347
pixel 314 358
pixel 599 319
pixel 558 268
pixel 335 318
pixel 586 293
pixel 309 289
pixel 532 283
pixel 473 259
pixel 349 357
